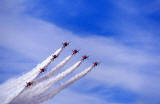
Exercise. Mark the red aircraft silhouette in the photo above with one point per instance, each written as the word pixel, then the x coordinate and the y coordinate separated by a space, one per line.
pixel 54 56
pixel 65 44
pixel 95 63
pixel 84 57
pixel 28 84
pixel 75 51
pixel 42 70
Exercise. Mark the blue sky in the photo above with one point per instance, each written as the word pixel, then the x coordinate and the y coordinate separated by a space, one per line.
pixel 123 35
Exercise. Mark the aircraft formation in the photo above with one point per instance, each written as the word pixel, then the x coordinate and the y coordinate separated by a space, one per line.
pixel 29 87
pixel 65 44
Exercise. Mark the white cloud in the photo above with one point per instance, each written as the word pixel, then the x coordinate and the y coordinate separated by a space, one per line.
pixel 12 7
pixel 71 97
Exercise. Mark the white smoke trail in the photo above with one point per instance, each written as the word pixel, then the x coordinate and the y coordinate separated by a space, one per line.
pixel 60 76
pixel 46 62
pixel 14 87
pixel 51 94
pixel 14 91
pixel 50 74
pixel 40 88
pixel 53 71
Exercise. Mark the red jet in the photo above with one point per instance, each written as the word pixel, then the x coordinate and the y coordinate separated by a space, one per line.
pixel 75 51
pixel 65 44
pixel 42 70
pixel 54 56
pixel 95 63
pixel 84 57
pixel 28 84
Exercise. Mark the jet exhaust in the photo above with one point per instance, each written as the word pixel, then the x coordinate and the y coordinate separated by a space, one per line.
pixel 29 89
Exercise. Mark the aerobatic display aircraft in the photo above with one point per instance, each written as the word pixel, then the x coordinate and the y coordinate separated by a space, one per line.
pixel 42 70
pixel 65 44
pixel 84 57
pixel 75 51
pixel 28 84
pixel 95 63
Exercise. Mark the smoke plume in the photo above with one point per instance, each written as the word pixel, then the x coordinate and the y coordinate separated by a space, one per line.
pixel 29 89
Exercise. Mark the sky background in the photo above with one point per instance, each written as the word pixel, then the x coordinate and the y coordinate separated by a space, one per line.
pixel 123 35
